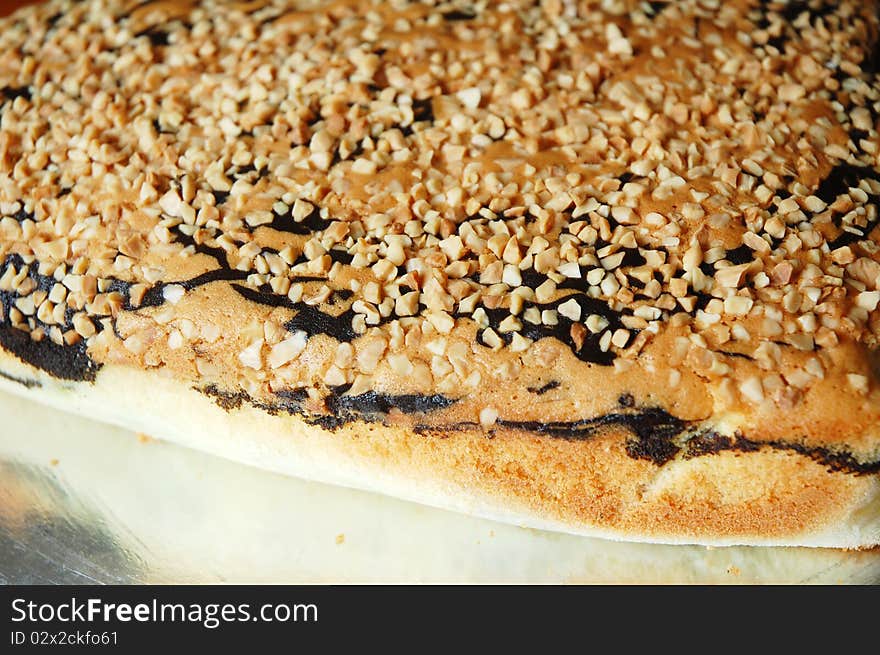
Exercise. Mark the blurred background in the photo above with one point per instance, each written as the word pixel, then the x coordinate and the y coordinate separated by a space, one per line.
pixel 8 6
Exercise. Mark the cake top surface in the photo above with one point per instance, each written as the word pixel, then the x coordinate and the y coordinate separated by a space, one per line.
pixel 486 211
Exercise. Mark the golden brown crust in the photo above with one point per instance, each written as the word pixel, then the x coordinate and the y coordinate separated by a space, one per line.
pixel 593 245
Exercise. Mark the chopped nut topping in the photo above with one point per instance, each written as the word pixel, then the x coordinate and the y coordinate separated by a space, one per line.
pixel 442 212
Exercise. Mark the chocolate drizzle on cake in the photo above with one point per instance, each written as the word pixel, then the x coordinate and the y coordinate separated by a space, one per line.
pixel 544 388
pixel 655 435
pixel 68 361
pixel 458 15
pixel 375 406
pixel 710 443
pixel 63 362
pixel 11 92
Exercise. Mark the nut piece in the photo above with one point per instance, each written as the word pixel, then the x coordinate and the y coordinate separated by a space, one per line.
pixel 752 389
pixel 732 276
pixel 488 416
pixel 738 305
pixel 251 356
pixel 868 300
pixel 571 309
pixel 287 350
pixel 859 383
